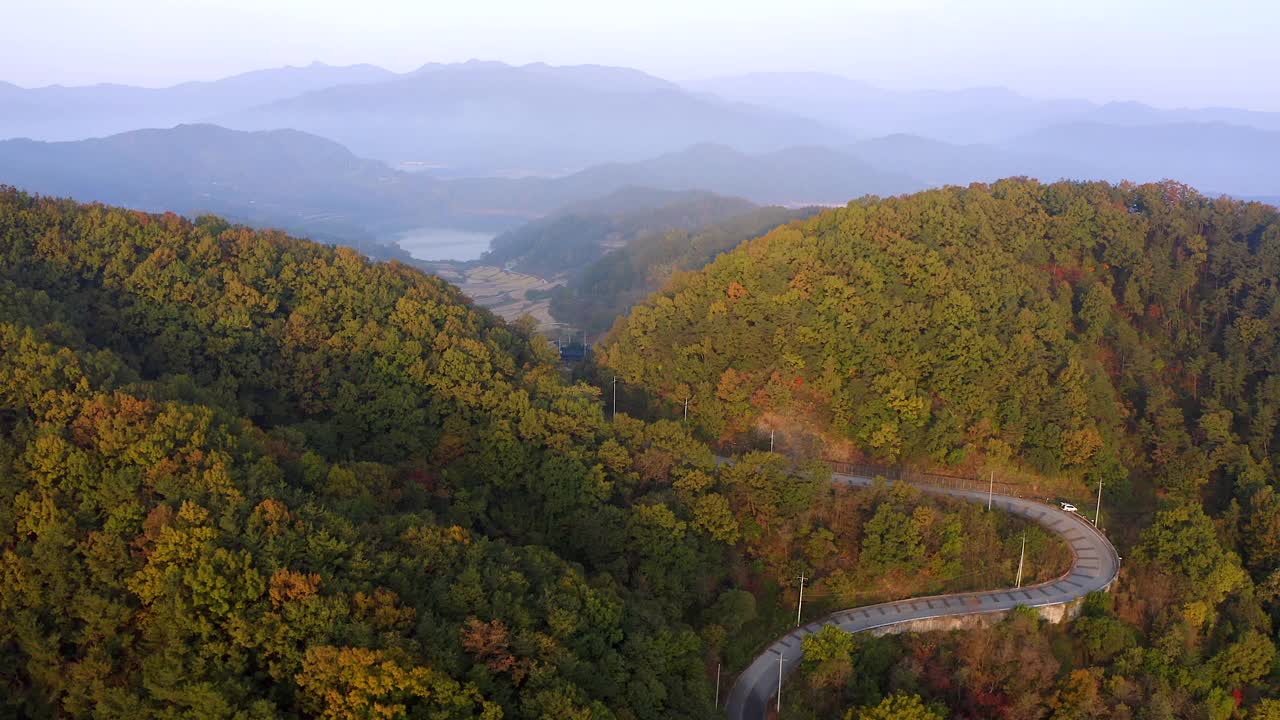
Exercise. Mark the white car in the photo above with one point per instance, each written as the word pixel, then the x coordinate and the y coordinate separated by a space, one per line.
pixel 1069 507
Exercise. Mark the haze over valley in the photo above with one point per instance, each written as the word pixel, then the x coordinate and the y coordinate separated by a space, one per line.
pixel 447 155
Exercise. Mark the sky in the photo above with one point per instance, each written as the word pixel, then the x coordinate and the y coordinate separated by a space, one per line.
pixel 1169 53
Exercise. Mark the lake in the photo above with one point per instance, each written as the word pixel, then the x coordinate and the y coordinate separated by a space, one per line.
pixel 432 243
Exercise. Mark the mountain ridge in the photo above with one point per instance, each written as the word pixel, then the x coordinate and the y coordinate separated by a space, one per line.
pixel 487 118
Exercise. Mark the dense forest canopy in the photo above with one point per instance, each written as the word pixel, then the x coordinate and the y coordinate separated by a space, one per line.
pixel 595 296
pixel 1121 335
pixel 1076 327
pixel 245 475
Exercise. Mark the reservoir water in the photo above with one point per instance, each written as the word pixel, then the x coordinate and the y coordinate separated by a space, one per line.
pixel 433 243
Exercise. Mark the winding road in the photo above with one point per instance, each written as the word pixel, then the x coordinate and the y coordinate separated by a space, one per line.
pixel 1094 568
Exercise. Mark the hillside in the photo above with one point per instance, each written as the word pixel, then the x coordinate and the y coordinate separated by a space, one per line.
pixel 245 475
pixel 277 178
pixel 568 240
pixel 1010 322
pixel 597 295
pixel 280 481
pixel 1123 339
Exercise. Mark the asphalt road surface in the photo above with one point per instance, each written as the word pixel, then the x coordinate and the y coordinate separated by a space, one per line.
pixel 1095 567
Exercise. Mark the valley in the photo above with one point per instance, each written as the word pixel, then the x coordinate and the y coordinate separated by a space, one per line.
pixel 501 291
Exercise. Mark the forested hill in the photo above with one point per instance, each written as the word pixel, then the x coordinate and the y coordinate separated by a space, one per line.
pixel 1127 336
pixel 597 295
pixel 277 178
pixel 1083 328
pixel 566 241
pixel 245 475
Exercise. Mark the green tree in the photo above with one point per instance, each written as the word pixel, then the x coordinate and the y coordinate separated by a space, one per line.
pixel 896 707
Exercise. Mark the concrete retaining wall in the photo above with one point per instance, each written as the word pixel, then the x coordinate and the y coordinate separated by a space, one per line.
pixel 1055 614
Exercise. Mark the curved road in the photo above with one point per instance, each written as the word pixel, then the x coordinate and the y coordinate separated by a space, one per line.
pixel 1095 568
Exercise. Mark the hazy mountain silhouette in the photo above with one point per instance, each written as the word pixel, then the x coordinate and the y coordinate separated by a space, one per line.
pixel 72 113
pixel 792 176
pixel 313 185
pixel 975 115
pixel 934 163
pixel 283 177
pixel 592 77
pixel 483 118
pixel 316 186
pixel 1134 113
pixel 1238 160
pixel 763 136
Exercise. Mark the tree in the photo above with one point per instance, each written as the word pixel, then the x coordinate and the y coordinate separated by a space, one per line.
pixel 1079 697
pixel 828 656
pixel 898 706
pixel 1245 661
pixel 341 683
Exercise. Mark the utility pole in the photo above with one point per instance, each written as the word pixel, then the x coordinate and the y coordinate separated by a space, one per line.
pixel 614 415
pixel 1022 557
pixel 717 684
pixel 1097 514
pixel 778 707
pixel 800 604
pixel 991 489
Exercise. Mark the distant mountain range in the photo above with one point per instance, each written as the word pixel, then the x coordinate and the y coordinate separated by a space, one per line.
pixel 315 186
pixel 75 113
pixel 282 178
pixel 1241 161
pixel 977 115
pixel 482 118
pixel 932 163
pixel 769 137
pixel 474 118
pixel 973 115
pixel 792 176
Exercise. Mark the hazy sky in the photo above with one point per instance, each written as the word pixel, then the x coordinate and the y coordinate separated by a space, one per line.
pixel 1165 52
